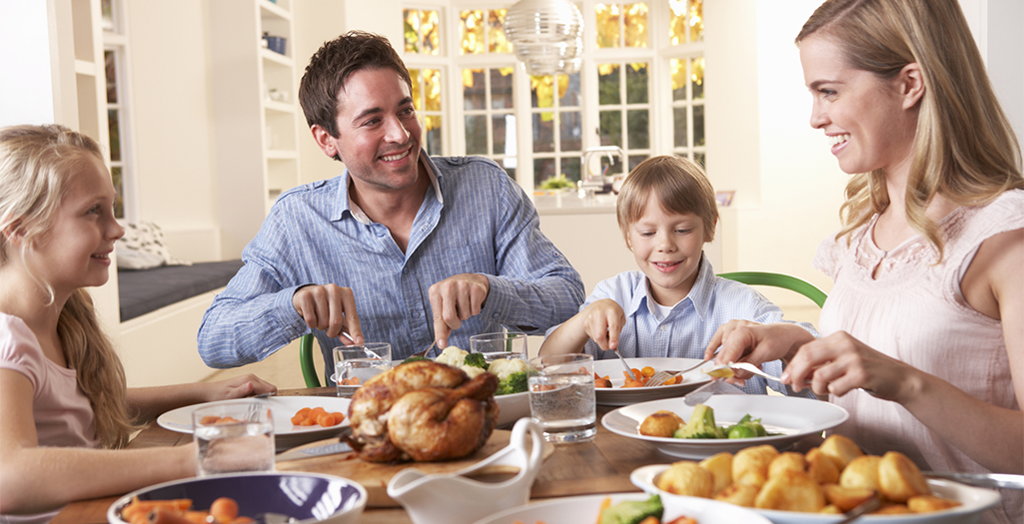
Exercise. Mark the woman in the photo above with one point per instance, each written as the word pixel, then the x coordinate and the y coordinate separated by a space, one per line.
pixel 924 327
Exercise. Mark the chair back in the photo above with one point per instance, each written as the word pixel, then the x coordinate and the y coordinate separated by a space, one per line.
pixel 765 278
pixel 306 361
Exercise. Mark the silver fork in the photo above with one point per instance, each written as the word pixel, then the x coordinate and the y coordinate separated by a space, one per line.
pixel 662 376
pixel 745 366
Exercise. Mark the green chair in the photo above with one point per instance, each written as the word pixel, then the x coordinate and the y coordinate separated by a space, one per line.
pixel 306 361
pixel 762 278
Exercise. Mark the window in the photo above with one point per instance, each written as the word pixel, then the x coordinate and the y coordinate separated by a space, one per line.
pixel 114 53
pixel 640 87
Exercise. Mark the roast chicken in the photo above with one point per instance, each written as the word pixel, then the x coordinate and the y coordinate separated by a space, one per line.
pixel 422 411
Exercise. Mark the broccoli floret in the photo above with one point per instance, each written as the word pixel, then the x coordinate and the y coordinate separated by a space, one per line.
pixel 747 427
pixel 701 424
pixel 476 360
pixel 514 383
pixel 633 511
pixel 414 358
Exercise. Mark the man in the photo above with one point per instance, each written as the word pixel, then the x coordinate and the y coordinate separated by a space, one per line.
pixel 400 248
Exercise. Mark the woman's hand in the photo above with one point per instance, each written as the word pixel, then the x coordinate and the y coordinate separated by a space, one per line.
pixel 839 363
pixel 602 322
pixel 744 340
pixel 237 387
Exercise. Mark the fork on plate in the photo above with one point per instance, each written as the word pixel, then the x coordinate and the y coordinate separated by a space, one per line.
pixel 727 370
pixel 662 376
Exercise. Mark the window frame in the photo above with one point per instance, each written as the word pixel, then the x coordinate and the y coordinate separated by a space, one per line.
pixel 115 40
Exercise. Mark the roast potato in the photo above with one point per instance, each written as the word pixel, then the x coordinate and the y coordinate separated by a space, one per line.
pixel 687 478
pixel 899 479
pixel 791 491
pixel 861 472
pixel 720 466
pixel 660 424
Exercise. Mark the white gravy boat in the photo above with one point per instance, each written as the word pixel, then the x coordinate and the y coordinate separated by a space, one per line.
pixel 456 498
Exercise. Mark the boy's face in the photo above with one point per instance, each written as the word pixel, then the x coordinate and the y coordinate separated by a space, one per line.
pixel 667 248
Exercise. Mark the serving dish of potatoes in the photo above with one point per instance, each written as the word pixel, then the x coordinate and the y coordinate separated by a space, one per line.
pixel 816 487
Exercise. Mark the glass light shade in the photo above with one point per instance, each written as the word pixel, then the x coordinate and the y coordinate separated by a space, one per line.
pixel 547 35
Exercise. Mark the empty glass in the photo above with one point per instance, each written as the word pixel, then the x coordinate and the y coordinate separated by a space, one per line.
pixel 354 365
pixel 234 436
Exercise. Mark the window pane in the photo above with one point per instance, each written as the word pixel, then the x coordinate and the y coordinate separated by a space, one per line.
pixel 634 160
pixel 636 24
pixel 118 178
pixel 501 88
pixel 114 128
pixel 543 132
pixel 611 128
pixel 636 83
pixel 509 164
pixel 679 78
pixel 110 63
pixel 571 168
pixel 476 134
pixel 697 77
pixel 543 168
pixel 639 132
pixel 609 25
pixel 432 89
pixel 571 131
pixel 698 125
pixel 542 91
pixel 608 84
pixel 431 33
pixel 474 89
pixel 496 40
pixel 687 24
pixel 696 20
pixel 679 137
pixel 472 29
pixel 701 160
pixel 503 128
pixel 432 125
pixel 569 89
pixel 411 30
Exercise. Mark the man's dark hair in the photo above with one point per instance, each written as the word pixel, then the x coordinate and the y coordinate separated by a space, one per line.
pixel 331 66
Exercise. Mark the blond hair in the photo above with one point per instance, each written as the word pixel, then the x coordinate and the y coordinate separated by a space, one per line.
pixel 964 147
pixel 680 186
pixel 36 164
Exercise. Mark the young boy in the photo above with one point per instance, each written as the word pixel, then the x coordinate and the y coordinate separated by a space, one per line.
pixel 674 304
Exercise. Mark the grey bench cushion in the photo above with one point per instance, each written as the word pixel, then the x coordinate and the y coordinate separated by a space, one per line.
pixel 145 290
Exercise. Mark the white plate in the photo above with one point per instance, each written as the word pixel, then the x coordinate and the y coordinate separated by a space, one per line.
pixel 620 396
pixel 792 417
pixel 282 408
pixel 974 501
pixel 573 510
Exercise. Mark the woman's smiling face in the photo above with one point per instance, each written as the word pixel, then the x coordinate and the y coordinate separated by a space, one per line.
pixel 862 115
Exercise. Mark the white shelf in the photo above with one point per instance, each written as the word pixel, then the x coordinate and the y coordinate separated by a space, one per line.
pixel 274 9
pixel 282 154
pixel 280 107
pixel 84 67
pixel 276 58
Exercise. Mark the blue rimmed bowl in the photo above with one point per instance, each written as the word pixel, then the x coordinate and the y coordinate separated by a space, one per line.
pixel 306 497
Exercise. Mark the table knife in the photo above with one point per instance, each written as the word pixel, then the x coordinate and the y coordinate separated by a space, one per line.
pixel 985 480
pixel 314 451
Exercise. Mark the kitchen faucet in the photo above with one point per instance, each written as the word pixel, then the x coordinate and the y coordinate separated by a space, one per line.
pixel 592 182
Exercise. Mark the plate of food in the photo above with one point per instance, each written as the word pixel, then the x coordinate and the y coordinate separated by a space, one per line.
pixel 616 507
pixel 703 430
pixel 617 393
pixel 793 488
pixel 283 409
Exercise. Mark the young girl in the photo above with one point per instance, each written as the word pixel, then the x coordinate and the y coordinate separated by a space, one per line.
pixel 673 305
pixel 64 407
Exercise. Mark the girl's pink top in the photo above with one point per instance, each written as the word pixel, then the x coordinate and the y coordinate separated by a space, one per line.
pixel 63 414
pixel 913 310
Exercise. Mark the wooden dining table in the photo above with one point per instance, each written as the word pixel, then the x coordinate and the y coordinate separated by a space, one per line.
pixel 601 465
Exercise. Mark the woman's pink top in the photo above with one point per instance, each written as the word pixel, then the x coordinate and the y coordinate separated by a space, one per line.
pixel 62 412
pixel 913 310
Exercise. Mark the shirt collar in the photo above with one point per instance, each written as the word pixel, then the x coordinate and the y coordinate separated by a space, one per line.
pixel 699 296
pixel 345 202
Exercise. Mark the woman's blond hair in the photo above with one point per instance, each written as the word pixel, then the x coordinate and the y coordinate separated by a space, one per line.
pixel 36 164
pixel 964 147
pixel 679 184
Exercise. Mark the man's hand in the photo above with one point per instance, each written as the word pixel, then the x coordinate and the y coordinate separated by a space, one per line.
pixel 455 299
pixel 330 308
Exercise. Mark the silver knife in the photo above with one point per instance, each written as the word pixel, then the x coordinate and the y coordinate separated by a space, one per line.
pixel 985 480
pixel 315 451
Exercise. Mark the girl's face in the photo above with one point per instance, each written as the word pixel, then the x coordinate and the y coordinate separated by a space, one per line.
pixel 862 115
pixel 75 251
pixel 667 248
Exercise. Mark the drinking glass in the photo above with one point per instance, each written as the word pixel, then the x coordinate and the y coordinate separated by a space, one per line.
pixel 562 397
pixel 502 344
pixel 235 436
pixel 354 365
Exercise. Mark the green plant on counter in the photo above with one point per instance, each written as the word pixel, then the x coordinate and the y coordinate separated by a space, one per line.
pixel 556 182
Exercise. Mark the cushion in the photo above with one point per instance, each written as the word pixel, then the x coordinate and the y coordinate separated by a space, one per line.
pixel 142 247
pixel 143 291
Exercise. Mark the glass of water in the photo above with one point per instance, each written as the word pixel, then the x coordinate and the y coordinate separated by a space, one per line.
pixel 354 365
pixel 501 344
pixel 562 397
pixel 234 436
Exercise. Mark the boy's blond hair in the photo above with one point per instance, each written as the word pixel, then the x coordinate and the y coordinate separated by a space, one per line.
pixel 680 185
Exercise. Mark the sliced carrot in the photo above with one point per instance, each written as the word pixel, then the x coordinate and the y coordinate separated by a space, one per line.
pixel 647 371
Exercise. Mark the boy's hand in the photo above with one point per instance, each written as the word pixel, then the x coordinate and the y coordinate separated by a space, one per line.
pixel 602 322
pixel 238 387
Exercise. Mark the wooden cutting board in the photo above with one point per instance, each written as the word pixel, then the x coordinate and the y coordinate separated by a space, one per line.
pixel 375 476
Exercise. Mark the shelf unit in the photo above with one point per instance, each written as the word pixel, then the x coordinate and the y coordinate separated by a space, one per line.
pixel 256 114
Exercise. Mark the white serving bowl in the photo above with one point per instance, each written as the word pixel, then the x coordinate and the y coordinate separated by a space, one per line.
pixel 573 510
